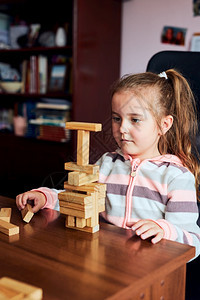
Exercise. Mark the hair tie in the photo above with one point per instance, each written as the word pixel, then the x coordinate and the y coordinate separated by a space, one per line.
pixel 163 74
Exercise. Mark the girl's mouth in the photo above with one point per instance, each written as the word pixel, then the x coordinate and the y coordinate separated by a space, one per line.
pixel 126 141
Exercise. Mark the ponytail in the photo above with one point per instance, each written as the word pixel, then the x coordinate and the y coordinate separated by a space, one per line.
pixel 180 139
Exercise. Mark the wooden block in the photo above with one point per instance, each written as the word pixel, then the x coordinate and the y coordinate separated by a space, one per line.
pixel 86 229
pixel 83 147
pixel 9 293
pixel 83 126
pixel 5 214
pixel 75 177
pixel 70 221
pixel 95 211
pixel 89 188
pixel 84 180
pixel 27 213
pixel 76 206
pixel 88 222
pixel 80 222
pixel 101 189
pixel 94 219
pixel 8 228
pixel 89 169
pixel 9 239
pixel 101 206
pixel 78 179
pixel 76 213
pixel 29 291
pixel 75 197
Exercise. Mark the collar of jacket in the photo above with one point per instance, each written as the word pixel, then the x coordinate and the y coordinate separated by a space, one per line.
pixel 161 158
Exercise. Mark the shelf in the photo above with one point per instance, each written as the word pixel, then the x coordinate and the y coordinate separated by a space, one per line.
pixel 30 50
pixel 23 96
pixel 10 137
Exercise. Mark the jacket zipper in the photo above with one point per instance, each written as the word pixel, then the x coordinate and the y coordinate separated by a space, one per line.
pixel 128 204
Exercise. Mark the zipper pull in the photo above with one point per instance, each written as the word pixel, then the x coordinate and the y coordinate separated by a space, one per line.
pixel 133 173
pixel 134 167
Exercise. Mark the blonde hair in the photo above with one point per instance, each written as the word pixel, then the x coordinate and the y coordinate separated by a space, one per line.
pixel 171 95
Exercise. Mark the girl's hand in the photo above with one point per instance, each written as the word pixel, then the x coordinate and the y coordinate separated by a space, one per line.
pixel 146 229
pixel 38 199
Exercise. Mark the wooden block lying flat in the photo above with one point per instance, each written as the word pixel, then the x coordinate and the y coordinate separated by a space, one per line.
pixel 86 179
pixel 9 293
pixel 75 197
pixel 84 188
pixel 8 228
pixel 78 179
pixel 89 169
pixel 83 126
pixel 75 177
pixel 27 213
pixel 89 188
pixel 5 213
pixel 27 291
pixel 76 206
pixel 76 213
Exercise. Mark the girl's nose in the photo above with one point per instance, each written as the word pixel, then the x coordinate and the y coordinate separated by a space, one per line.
pixel 124 127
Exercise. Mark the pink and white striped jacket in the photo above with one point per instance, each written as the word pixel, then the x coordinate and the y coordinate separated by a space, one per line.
pixel 160 189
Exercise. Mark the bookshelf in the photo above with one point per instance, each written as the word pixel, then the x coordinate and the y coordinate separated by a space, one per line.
pixel 93 45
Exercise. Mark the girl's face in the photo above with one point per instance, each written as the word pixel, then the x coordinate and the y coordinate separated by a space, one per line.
pixel 134 128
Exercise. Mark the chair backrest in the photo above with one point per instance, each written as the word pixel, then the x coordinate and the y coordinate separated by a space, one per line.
pixel 186 62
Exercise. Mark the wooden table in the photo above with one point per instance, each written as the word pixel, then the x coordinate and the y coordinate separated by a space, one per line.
pixel 110 264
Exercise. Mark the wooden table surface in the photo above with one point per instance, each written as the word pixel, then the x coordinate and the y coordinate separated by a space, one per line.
pixel 112 263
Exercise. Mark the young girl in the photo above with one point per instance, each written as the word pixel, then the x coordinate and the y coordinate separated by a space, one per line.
pixel 152 178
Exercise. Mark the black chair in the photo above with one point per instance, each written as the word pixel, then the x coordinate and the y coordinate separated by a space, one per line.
pixel 188 64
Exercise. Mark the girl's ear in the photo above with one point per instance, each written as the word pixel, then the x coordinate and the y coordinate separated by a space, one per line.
pixel 166 124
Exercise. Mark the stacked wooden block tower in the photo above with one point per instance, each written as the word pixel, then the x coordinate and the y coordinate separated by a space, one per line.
pixel 83 197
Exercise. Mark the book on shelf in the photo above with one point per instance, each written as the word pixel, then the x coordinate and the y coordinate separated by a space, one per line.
pixel 24 75
pixel 49 121
pixel 53 133
pixel 50 118
pixel 55 106
pixel 31 130
pixel 44 119
pixel 53 110
pixel 36 78
pixel 35 74
pixel 43 73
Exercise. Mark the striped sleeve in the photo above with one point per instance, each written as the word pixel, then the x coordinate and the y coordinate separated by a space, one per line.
pixel 51 197
pixel 181 213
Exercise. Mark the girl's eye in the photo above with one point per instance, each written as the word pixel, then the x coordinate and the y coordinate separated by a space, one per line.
pixel 116 119
pixel 134 120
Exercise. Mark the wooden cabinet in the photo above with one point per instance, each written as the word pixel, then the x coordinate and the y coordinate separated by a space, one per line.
pixel 94 44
